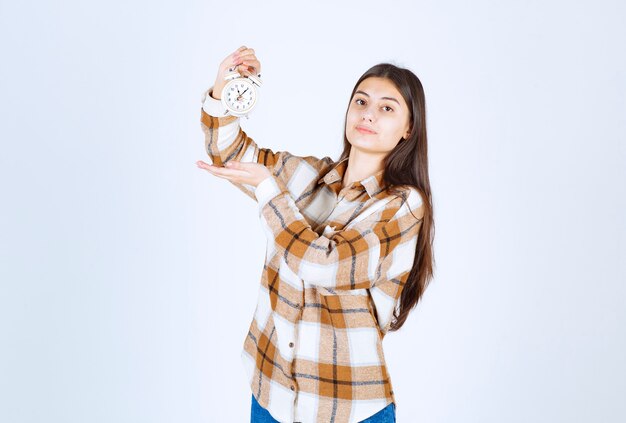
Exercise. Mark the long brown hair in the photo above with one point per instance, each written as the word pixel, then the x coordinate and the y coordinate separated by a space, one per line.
pixel 407 164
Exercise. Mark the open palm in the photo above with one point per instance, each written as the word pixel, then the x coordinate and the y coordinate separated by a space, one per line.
pixel 241 172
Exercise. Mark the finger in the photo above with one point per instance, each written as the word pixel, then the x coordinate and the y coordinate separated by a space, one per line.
pixel 219 176
pixel 248 59
pixel 232 56
pixel 204 165
pixel 250 62
pixel 245 50
pixel 249 68
pixel 245 65
pixel 212 169
pixel 242 52
pixel 243 166
pixel 246 55
pixel 241 58
pixel 227 173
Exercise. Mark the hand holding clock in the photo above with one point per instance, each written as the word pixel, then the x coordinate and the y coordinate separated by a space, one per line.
pixel 239 73
pixel 245 60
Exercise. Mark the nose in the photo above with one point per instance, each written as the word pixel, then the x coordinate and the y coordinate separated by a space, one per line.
pixel 367 115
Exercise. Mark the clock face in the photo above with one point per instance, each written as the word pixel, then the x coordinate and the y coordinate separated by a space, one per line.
pixel 240 95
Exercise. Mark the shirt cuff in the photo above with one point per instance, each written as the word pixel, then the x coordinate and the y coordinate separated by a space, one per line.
pixel 267 189
pixel 212 106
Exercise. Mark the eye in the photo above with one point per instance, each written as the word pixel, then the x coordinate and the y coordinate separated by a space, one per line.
pixel 360 104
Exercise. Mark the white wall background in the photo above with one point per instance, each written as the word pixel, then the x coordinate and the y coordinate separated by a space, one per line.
pixel 129 276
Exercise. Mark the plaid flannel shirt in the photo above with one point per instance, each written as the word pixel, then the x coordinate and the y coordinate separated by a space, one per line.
pixel 337 260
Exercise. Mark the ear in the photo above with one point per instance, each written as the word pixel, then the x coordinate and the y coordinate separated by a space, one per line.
pixel 408 132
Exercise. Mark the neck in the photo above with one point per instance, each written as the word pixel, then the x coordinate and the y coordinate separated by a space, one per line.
pixel 360 166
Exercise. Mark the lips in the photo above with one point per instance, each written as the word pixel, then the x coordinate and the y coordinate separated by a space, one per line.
pixel 365 129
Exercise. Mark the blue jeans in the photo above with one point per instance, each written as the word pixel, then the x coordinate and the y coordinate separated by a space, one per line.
pixel 261 415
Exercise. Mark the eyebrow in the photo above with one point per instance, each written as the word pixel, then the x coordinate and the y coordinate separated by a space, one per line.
pixel 384 98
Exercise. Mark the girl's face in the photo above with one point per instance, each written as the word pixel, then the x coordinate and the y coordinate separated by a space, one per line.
pixel 377 105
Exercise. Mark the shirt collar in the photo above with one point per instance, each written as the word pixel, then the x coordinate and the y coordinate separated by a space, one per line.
pixel 371 183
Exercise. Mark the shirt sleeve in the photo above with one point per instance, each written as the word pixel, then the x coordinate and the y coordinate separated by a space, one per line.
pixel 378 248
pixel 224 140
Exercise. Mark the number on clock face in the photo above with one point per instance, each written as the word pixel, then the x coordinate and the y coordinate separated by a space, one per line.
pixel 240 95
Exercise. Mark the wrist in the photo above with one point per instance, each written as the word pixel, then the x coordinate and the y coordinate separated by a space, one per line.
pixel 216 92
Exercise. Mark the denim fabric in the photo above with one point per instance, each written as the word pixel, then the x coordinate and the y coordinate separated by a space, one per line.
pixel 386 415
pixel 261 415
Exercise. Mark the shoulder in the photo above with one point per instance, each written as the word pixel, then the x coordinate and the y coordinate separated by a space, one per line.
pixel 409 200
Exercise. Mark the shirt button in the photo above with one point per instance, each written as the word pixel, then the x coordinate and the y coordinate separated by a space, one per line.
pixel 293 388
pixel 291 344
pixel 297 305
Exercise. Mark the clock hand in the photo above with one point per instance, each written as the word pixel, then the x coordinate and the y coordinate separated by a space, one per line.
pixel 241 95
pixel 238 94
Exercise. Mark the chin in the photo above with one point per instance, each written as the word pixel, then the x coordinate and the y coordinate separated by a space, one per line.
pixel 368 146
pixel 365 140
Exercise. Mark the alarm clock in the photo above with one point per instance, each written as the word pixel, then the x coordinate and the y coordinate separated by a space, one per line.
pixel 240 94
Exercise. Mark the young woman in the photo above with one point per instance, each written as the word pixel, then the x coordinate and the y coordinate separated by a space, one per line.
pixel 349 242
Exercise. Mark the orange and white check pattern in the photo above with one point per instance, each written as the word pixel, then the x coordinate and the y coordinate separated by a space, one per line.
pixel 337 260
